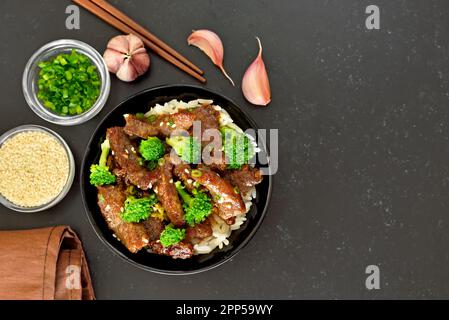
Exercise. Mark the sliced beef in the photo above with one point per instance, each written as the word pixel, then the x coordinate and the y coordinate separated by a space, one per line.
pixel 183 172
pixel 111 200
pixel 110 162
pixel 163 125
pixel 126 157
pixel 177 251
pixel 228 202
pixel 199 232
pixel 208 118
pixel 218 164
pixel 245 178
pixel 154 228
pixel 140 128
pixel 166 193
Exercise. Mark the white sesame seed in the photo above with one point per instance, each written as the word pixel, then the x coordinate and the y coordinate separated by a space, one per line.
pixel 144 240
pixel 174 125
pixel 186 171
pixel 133 150
pixel 125 115
pixel 34 168
pixel 114 235
pixel 189 181
pixel 121 209
pixel 161 124
pixel 171 181
pixel 108 207
pixel 126 150
pixel 150 185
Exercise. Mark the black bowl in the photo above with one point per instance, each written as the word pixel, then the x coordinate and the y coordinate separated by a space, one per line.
pixel 141 102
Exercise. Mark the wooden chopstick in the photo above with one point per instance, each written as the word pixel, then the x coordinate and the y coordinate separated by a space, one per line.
pixel 111 20
pixel 144 32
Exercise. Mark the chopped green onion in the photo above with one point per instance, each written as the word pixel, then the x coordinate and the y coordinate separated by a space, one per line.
pixel 152 118
pixel 196 173
pixel 69 84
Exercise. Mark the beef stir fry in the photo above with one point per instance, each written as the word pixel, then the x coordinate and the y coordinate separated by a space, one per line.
pixel 156 192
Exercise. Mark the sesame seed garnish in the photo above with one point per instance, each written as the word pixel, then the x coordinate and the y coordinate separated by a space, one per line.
pixel 161 124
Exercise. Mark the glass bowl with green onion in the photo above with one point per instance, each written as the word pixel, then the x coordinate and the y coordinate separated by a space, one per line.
pixel 66 82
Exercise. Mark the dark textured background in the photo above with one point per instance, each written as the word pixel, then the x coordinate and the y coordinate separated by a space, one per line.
pixel 364 141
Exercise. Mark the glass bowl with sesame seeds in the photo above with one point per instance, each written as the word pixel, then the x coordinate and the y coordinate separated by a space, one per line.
pixel 37 168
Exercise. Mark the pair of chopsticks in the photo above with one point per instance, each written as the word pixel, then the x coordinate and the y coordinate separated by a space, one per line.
pixel 125 24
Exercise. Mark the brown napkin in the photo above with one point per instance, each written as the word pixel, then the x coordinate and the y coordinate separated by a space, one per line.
pixel 43 264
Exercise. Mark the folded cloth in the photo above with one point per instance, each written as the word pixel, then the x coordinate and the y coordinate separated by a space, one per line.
pixel 43 264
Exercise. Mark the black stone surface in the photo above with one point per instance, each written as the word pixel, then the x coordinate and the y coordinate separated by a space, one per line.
pixel 364 141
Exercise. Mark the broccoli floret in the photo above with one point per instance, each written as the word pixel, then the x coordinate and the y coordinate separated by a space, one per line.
pixel 138 209
pixel 171 236
pixel 196 208
pixel 237 148
pixel 187 148
pixel 99 173
pixel 151 149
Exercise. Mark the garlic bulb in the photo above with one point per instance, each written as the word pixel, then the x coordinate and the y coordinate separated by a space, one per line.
pixel 127 57
pixel 210 43
pixel 255 83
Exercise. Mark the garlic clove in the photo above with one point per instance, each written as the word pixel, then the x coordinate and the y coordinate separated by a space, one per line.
pixel 127 57
pixel 113 59
pixel 255 83
pixel 210 43
pixel 127 72
pixel 134 43
pixel 141 62
pixel 120 44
